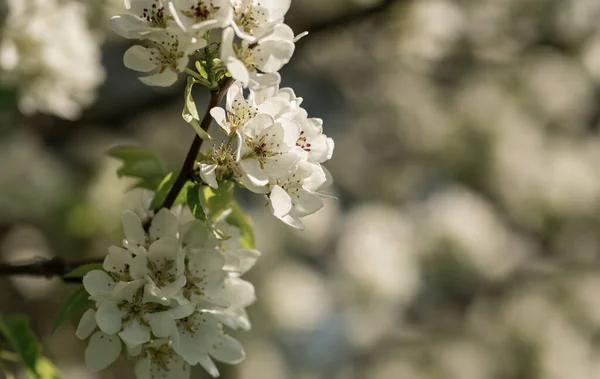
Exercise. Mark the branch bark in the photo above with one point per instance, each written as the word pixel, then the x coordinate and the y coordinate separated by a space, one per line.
pixel 47 268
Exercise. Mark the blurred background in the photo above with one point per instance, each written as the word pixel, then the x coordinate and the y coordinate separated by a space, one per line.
pixel 465 243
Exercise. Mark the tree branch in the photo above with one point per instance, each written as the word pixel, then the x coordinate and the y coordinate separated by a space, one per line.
pixel 188 164
pixel 47 268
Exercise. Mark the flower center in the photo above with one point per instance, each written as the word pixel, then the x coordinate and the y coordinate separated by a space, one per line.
pixel 136 308
pixel 166 54
pixel 162 271
pixel 247 17
pixel 201 11
pixel 155 15
pixel 161 357
pixel 302 142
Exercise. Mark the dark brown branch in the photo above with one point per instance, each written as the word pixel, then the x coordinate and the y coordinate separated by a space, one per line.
pixel 45 267
pixel 188 164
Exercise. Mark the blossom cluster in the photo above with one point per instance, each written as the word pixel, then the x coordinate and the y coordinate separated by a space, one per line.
pixel 49 54
pixel 166 295
pixel 255 43
pixel 274 148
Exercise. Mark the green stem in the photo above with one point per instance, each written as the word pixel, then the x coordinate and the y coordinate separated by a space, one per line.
pixel 189 163
pixel 194 74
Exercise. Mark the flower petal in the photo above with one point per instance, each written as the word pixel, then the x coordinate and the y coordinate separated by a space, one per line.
pixel 101 351
pixel 228 350
pixel 132 226
pixel 281 202
pixel 139 58
pixel 142 368
pixel 209 366
pixel 164 225
pixel 135 334
pixel 87 324
pixel 164 79
pixel 109 317
pixel 97 282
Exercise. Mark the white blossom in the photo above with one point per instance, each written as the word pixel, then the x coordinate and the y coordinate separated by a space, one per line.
pixel 199 16
pixel 268 55
pixel 167 54
pixel 268 149
pixel 144 17
pixel 49 54
pixel 298 194
pixel 256 19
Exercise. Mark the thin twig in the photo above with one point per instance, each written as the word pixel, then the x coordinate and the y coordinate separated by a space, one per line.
pixel 45 267
pixel 190 160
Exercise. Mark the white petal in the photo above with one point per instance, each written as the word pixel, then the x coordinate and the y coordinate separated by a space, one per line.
pixel 142 368
pixel 240 260
pixel 164 79
pixel 258 125
pixel 281 202
pixel 128 26
pixel 139 58
pixel 307 203
pixel 228 350
pixel 256 174
pixel 219 115
pixel 132 226
pixel 135 334
pixel 281 165
pixel 98 281
pixel 291 131
pixel 293 221
pixel 161 323
pixel 118 260
pixel 277 8
pixel 164 225
pixel 87 324
pixel 239 292
pixel 238 70
pixel 139 266
pixel 271 56
pixel 101 351
pixel 205 261
pixel 208 174
pixel 209 366
pixel 109 317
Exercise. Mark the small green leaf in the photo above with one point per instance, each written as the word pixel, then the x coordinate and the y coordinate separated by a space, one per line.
pixel 193 201
pixel 201 69
pixel 163 189
pixel 190 112
pixel 238 218
pixel 217 201
pixel 182 197
pixel 77 302
pixel 141 164
pixel 21 338
pixel 80 271
pixel 45 369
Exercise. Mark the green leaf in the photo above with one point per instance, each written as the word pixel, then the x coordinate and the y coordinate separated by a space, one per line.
pixel 141 164
pixel 163 189
pixel 76 303
pixel 190 112
pixel 182 197
pixel 217 201
pixel 80 271
pixel 238 218
pixel 45 369
pixel 193 201
pixel 21 338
